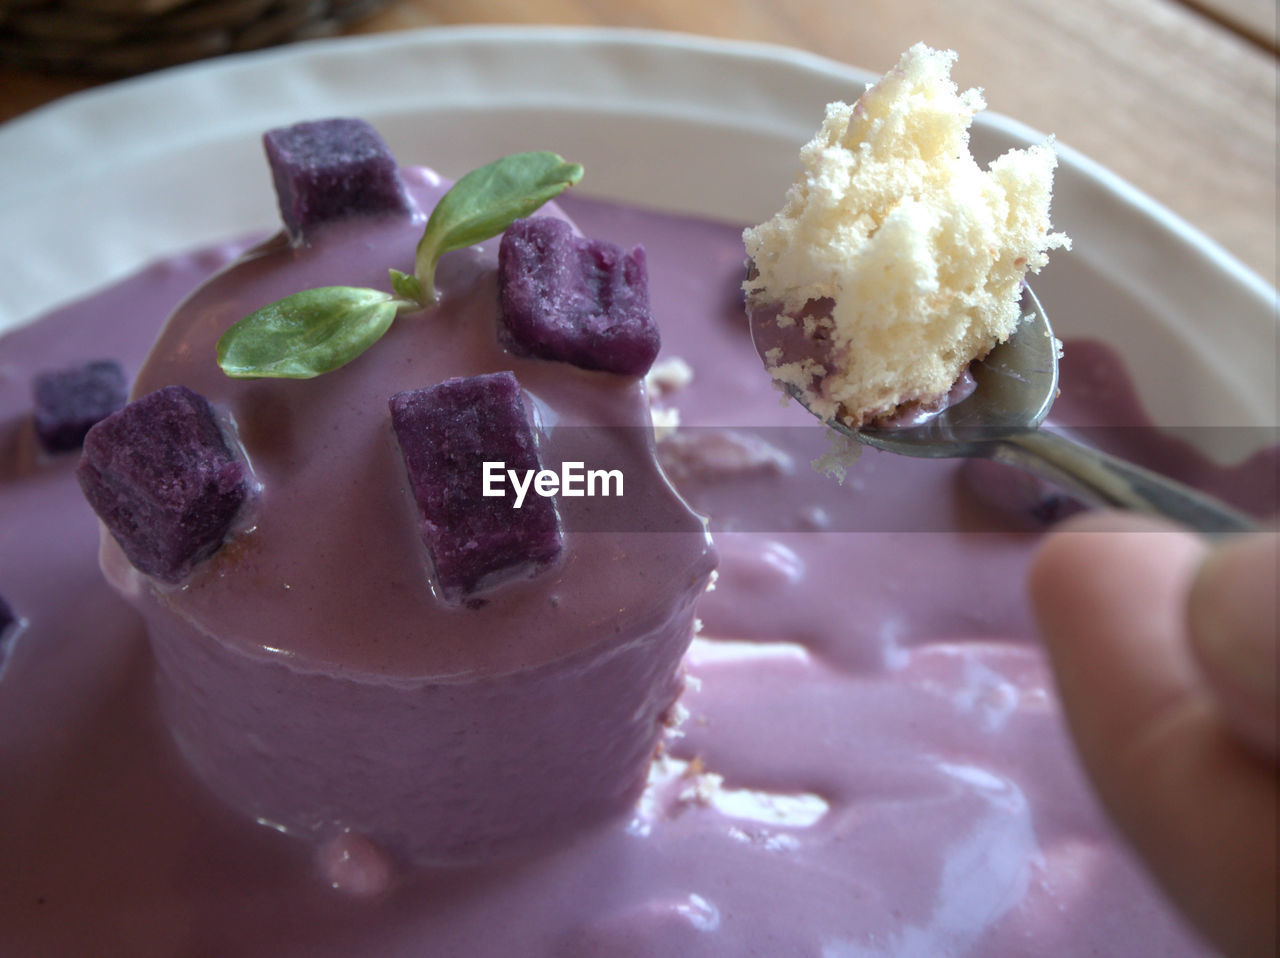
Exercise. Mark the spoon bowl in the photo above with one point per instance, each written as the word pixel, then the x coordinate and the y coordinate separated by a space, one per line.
pixel 1015 388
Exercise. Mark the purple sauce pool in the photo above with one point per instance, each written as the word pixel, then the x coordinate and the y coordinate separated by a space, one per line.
pixel 872 762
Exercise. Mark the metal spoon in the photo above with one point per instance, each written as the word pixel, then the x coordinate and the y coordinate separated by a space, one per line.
pixel 1016 386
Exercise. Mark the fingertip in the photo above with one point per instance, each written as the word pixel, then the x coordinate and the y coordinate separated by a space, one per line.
pixel 1109 590
pixel 1064 570
pixel 1109 593
pixel 1112 596
pixel 1232 615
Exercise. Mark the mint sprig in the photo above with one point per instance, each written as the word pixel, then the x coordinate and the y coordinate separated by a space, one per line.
pixel 312 332
pixel 318 330
pixel 485 202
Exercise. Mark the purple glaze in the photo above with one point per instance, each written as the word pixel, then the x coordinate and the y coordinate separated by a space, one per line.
pixel 286 424
pixel 916 706
pixel 1021 496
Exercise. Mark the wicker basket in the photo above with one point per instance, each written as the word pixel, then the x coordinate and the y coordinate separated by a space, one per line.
pixel 119 37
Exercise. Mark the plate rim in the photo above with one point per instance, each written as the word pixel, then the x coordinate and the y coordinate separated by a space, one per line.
pixel 1133 196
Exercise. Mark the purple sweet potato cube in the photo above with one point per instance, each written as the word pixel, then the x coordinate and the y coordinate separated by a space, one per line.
pixel 69 401
pixel 447 433
pixel 332 169
pixel 573 299
pixel 163 480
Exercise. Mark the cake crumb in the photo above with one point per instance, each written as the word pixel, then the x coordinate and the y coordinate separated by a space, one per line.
pixel 666 420
pixel 700 785
pixel 842 452
pixel 920 251
pixel 665 377
pixel 668 375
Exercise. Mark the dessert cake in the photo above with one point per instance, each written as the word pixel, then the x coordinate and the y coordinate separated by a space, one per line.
pixel 297 737
pixel 899 256
pixel 351 635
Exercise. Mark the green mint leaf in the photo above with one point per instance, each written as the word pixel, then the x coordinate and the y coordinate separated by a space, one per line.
pixel 308 333
pixel 485 202
pixel 406 286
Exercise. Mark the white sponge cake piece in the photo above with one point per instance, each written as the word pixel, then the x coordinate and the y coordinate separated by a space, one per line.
pixel 920 251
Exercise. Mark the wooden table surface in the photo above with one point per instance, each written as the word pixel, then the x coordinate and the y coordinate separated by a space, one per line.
pixel 1177 96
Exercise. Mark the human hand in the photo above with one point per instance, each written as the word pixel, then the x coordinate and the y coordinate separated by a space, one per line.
pixel 1164 646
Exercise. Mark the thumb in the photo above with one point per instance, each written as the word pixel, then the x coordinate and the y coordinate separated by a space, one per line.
pixel 1233 619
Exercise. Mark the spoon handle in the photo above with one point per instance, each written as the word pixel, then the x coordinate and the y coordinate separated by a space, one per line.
pixel 1107 480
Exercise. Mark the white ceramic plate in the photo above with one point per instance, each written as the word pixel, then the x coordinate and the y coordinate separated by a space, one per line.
pixel 117 176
